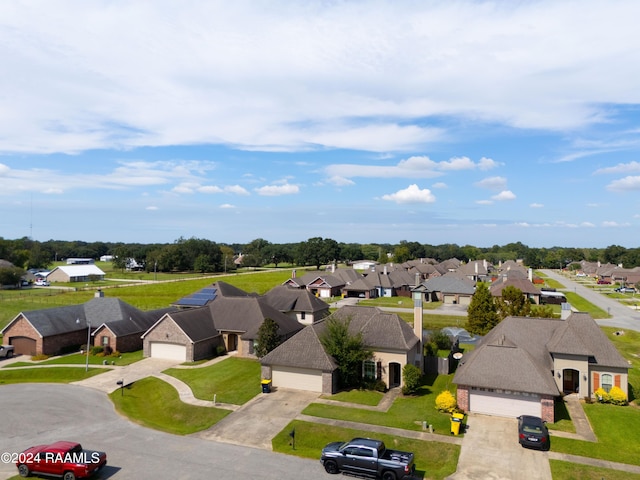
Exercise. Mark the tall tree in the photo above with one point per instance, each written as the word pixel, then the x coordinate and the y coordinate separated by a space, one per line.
pixel 347 350
pixel 482 313
pixel 268 337
pixel 513 303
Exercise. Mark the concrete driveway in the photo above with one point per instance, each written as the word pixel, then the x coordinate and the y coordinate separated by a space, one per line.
pixel 259 420
pixel 490 450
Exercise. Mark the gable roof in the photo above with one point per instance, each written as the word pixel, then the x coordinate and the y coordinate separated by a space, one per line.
pixel 450 283
pixel 380 331
pixel 522 284
pixel 288 299
pixel 78 270
pixel 97 311
pixel 517 353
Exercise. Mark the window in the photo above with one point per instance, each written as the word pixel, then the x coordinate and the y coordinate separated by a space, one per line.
pixel 370 370
pixel 302 315
pixel 607 382
pixel 105 341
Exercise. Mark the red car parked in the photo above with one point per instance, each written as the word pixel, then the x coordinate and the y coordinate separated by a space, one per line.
pixel 67 460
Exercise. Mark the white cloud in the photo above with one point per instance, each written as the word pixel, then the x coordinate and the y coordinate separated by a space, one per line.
pixel 277 190
pixel 536 205
pixel 631 167
pixel 151 208
pixel 339 181
pixel 227 205
pixel 237 189
pixel 493 183
pixel 613 224
pixel 439 185
pixel 209 189
pixel 411 194
pixel 484 202
pixel 626 184
pixel 504 195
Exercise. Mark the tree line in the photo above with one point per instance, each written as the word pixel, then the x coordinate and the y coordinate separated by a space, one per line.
pixel 203 255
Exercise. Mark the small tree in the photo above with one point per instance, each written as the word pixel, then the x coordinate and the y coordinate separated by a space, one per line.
pixel 412 377
pixel 347 350
pixel 482 314
pixel 513 303
pixel 268 337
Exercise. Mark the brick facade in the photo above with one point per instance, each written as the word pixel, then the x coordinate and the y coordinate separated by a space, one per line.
pixel 462 397
pixel 167 331
pixel 22 328
pixel 125 343
pixel 547 408
pixel 52 345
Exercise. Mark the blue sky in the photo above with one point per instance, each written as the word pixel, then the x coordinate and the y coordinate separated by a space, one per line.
pixel 463 122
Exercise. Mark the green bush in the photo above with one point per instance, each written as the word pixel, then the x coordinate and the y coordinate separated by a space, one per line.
pixel 441 339
pixel 375 385
pixel 615 396
pixel 412 377
pixel 220 350
pixel 446 402
pixel 96 350
pixel 430 349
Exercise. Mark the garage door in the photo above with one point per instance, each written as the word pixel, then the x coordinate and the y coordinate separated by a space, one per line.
pixel 297 378
pixel 465 300
pixel 170 351
pixel 449 299
pixel 23 345
pixel 504 403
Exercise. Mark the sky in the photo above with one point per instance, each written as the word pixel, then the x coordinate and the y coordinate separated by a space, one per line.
pixel 469 122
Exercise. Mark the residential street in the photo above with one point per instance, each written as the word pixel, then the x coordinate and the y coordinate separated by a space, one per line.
pixel 622 317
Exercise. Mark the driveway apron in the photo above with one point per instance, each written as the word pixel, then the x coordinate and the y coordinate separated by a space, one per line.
pixel 259 420
pixel 490 450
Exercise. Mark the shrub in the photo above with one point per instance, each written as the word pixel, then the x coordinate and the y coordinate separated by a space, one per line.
pixel 412 379
pixel 375 385
pixel 441 339
pixel 430 349
pixel 40 356
pixel 220 350
pixel 446 402
pixel 96 350
pixel 617 396
pixel 115 353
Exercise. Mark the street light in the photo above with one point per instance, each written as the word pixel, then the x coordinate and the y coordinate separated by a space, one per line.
pixel 86 367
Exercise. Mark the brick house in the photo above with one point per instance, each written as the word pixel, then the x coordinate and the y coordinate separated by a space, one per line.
pixel 523 364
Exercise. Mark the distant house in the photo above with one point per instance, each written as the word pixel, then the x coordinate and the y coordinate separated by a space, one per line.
pixel 80 261
pixel 76 273
pixel 523 364
pixel 106 258
pixel 299 304
pixel 514 279
pixel 363 264
pixel 450 288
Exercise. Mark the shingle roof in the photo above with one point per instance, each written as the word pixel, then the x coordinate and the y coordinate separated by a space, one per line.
pixel 517 353
pixel 287 299
pixel 380 331
pixel 523 284
pixel 79 270
pixel 121 317
pixel 450 284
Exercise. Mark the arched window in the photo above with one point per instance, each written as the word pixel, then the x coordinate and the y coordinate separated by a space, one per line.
pixel 607 382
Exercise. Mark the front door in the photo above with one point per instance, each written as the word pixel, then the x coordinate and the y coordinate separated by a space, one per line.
pixel 570 381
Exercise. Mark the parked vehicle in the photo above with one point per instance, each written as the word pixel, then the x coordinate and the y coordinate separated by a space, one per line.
pixel 6 351
pixel 367 457
pixel 42 283
pixel 532 432
pixel 626 290
pixel 604 282
pixel 67 460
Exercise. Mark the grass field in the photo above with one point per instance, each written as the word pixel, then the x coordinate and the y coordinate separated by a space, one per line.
pixel 47 375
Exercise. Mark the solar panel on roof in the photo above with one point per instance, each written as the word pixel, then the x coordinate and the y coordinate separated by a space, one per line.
pixel 197 302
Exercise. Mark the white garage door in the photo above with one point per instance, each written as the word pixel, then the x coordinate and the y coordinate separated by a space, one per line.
pixel 504 403
pixel 297 378
pixel 465 300
pixel 170 351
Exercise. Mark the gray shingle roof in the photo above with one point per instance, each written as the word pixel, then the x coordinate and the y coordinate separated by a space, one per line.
pixel 450 284
pixel 380 331
pixel 288 299
pixel 517 353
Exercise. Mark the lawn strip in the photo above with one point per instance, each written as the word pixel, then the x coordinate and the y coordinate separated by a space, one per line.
pixel 48 375
pixel 156 404
pixel 561 470
pixel 434 460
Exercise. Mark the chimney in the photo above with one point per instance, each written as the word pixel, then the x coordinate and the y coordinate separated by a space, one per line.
pixel 293 273
pixel 385 270
pixel 484 263
pixel 99 294
pixel 476 265
pixel 333 268
pixel 418 279
pixel 531 275
pixel 418 315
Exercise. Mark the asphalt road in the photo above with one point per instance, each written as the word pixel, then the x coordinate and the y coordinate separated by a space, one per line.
pixel 621 317
pixel 40 413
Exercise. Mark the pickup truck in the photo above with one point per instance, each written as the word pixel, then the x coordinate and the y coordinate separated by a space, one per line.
pixel 67 460
pixel 367 457
pixel 6 351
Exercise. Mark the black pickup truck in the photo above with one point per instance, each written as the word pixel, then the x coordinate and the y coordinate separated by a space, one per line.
pixel 369 458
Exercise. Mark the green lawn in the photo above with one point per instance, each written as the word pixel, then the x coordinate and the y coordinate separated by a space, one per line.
pixel 434 460
pixel 572 471
pixel 629 346
pixel 616 429
pixel 156 404
pixel 47 375
pixel 362 397
pixel 81 359
pixel 234 380
pixel 583 305
pixel 406 412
